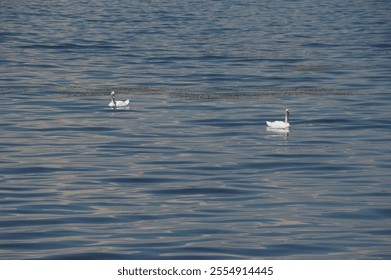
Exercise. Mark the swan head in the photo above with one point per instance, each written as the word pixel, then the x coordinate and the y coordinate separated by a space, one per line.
pixel 286 115
pixel 113 96
pixel 113 99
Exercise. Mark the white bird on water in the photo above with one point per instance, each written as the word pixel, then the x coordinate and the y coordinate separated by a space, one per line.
pixel 117 104
pixel 280 124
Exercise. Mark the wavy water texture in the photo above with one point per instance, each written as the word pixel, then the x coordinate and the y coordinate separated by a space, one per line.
pixel 190 170
pixel 179 178
pixel 208 43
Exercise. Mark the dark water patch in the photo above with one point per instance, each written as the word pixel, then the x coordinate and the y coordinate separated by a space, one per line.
pixel 205 231
pixel 64 47
pixel 58 221
pixel 251 92
pixel 20 197
pixel 132 254
pixel 220 123
pixel 382 46
pixel 380 232
pixel 38 235
pixel 204 253
pixel 141 180
pixel 196 190
pixel 32 170
pixel 52 245
pixel 367 214
pixel 170 162
pixel 52 209
pixel 214 168
pixel 75 128
pixel 92 256
pixel 281 250
pixel 207 93
pixel 305 154
pixel 364 194
pixel 299 166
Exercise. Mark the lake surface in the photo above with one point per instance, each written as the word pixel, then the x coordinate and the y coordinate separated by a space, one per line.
pixel 190 170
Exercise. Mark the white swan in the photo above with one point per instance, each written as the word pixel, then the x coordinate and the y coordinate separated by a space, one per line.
pixel 280 124
pixel 117 104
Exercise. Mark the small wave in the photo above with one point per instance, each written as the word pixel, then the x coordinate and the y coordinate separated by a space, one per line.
pixel 199 191
pixel 68 46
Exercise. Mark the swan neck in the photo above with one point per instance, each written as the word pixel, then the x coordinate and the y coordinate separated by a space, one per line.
pixel 286 116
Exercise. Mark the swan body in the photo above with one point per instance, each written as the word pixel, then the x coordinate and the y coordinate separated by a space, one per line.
pixel 117 104
pixel 280 124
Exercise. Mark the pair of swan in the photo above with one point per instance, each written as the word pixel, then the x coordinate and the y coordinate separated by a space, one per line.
pixel 117 104
pixel 276 124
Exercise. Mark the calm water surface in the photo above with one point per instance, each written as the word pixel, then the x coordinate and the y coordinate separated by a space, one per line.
pixel 189 170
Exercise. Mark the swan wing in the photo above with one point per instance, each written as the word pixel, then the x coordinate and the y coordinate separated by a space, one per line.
pixel 123 103
pixel 278 124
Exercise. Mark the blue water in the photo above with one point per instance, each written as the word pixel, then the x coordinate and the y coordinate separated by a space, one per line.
pixel 189 170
